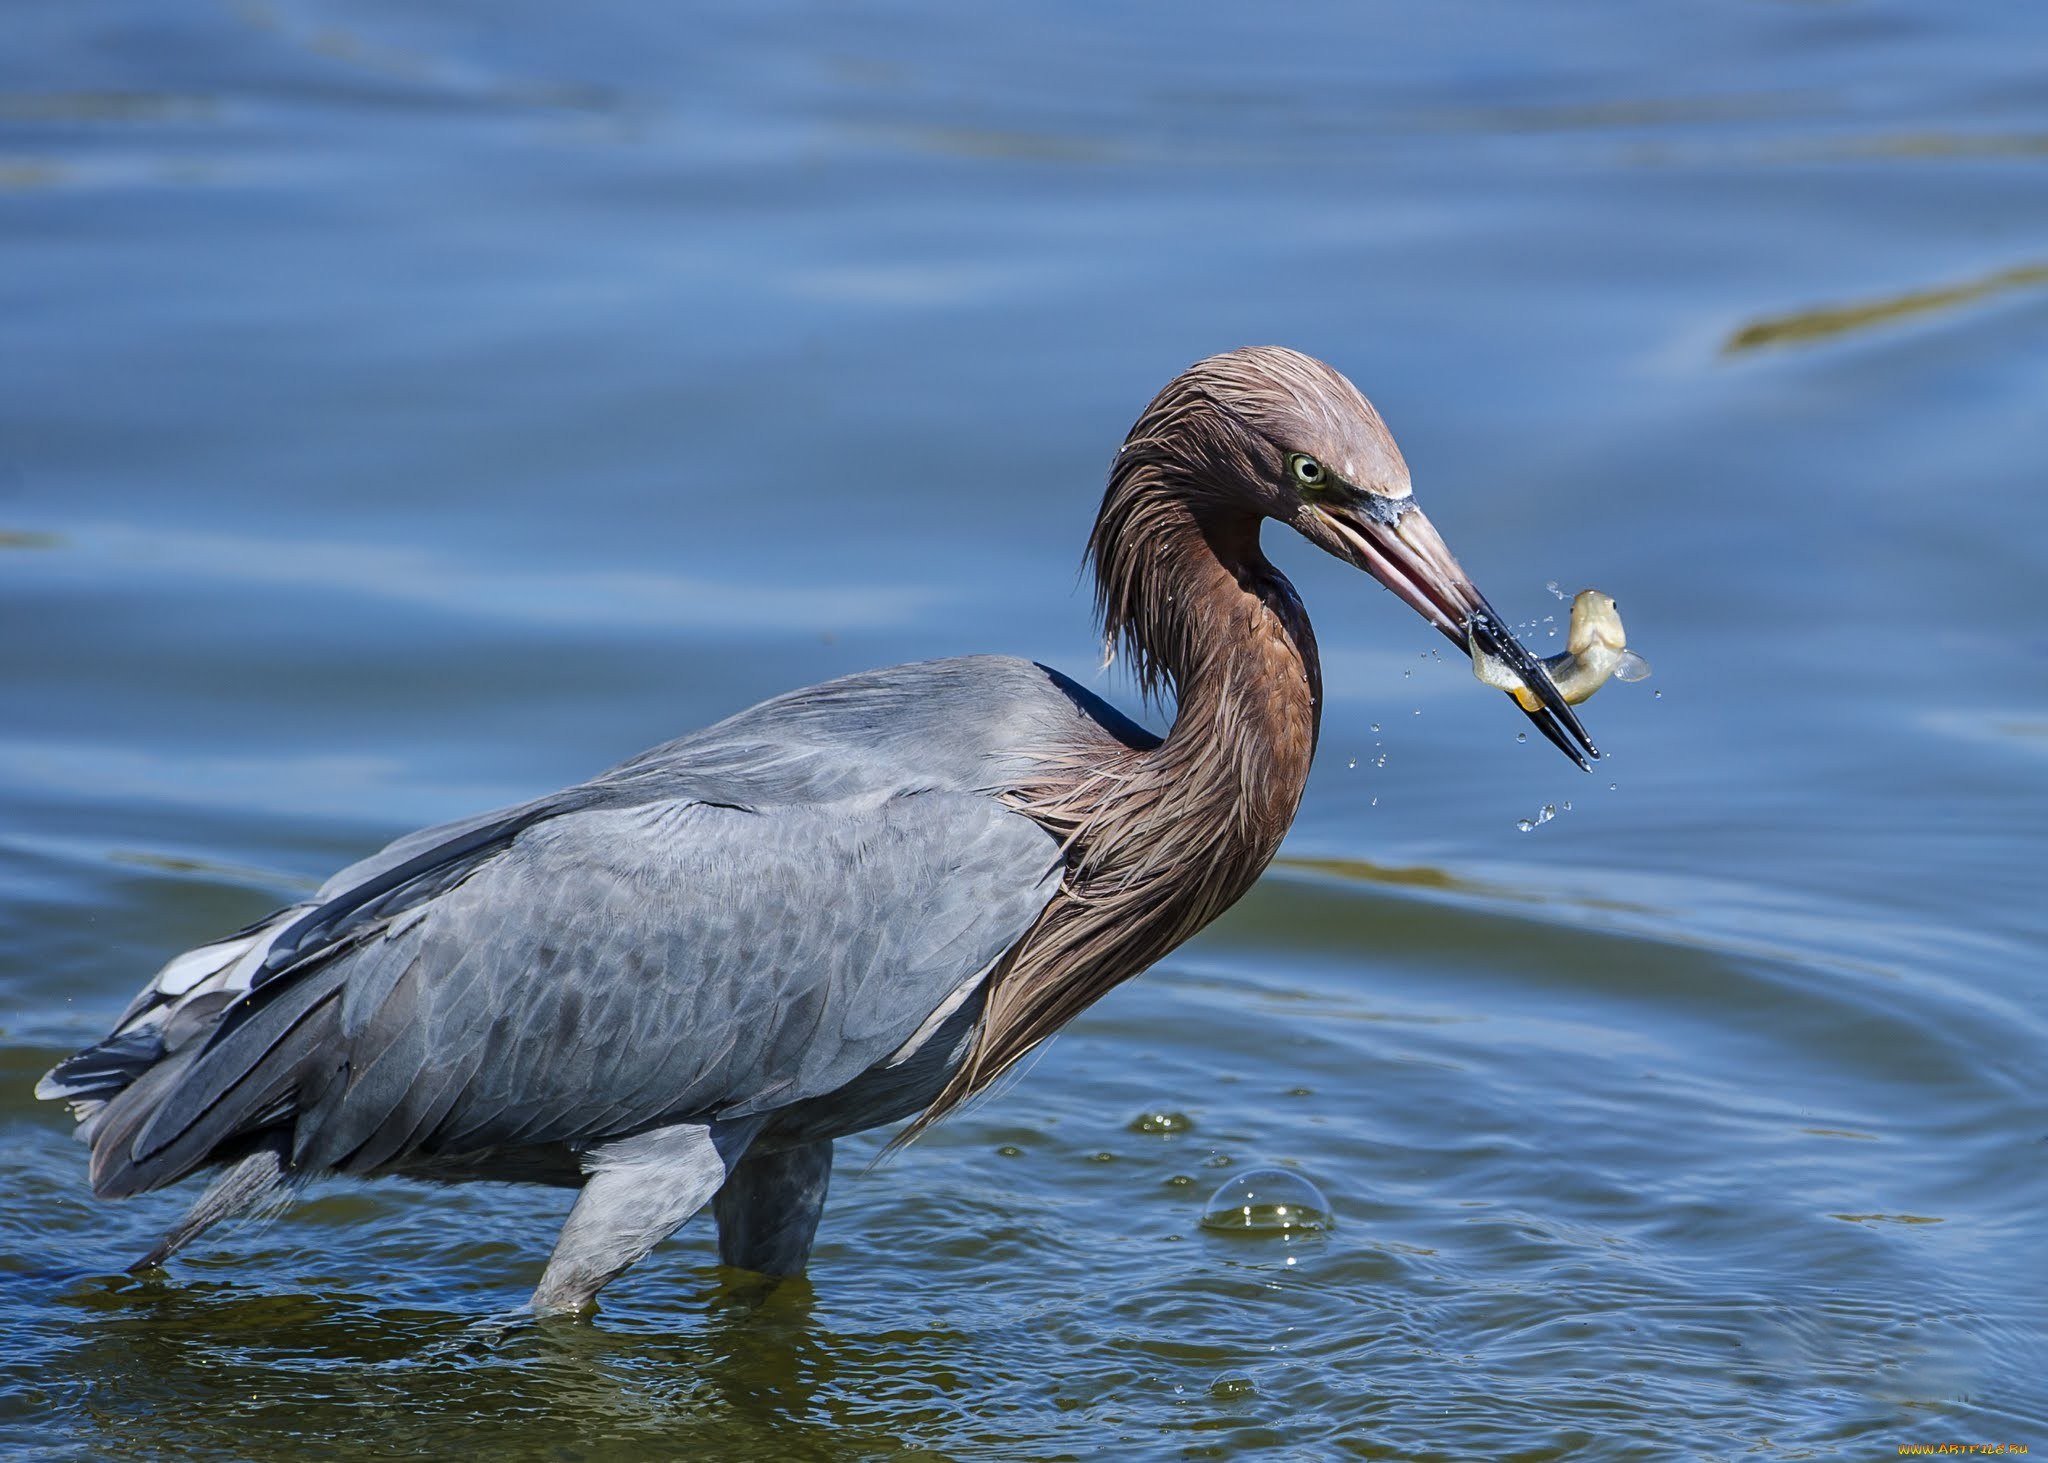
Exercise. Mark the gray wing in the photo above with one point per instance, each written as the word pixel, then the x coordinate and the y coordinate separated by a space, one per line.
pixel 564 976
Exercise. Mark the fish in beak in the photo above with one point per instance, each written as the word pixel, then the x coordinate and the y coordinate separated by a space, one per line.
pixel 1391 539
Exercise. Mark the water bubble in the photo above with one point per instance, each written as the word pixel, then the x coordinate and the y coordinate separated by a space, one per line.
pixel 1267 1201
pixel 1161 1120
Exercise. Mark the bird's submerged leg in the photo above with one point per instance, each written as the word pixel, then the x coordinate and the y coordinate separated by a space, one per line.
pixel 639 1192
pixel 769 1207
pixel 249 1183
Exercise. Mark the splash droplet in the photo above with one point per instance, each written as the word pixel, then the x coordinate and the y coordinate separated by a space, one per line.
pixel 1352 763
pixel 1521 736
pixel 1161 1120
pixel 1267 1201
pixel 1530 824
pixel 1375 726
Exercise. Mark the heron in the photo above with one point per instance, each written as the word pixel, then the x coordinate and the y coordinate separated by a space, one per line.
pixel 675 985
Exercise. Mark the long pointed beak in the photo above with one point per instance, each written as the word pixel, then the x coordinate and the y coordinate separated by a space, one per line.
pixel 1398 546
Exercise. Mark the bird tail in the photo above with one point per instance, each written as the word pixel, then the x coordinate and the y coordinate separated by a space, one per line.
pixel 213 1101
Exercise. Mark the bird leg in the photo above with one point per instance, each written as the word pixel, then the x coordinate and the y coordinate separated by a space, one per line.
pixel 640 1191
pixel 255 1179
pixel 769 1207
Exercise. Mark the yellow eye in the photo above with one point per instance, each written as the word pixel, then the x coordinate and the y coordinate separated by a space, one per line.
pixel 1307 471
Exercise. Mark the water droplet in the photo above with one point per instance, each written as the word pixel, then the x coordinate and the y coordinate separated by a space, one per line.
pixel 1161 1120
pixel 1375 802
pixel 1009 1150
pixel 1527 824
pixel 1267 1201
pixel 1567 805
pixel 1613 786
pixel 1551 585
pixel 1418 711
pixel 1658 694
pixel 1102 1158
pixel 1352 763
pixel 1375 726
pixel 1521 736
pixel 1410 673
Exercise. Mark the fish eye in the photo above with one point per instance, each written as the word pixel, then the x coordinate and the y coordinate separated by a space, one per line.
pixel 1307 471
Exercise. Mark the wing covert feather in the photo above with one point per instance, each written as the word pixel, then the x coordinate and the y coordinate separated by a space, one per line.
pixel 618 967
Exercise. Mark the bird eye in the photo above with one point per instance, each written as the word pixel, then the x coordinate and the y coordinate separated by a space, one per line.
pixel 1307 471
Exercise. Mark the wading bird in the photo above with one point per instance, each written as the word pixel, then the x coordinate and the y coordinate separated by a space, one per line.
pixel 675 984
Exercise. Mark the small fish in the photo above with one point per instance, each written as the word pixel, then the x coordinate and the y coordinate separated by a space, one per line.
pixel 1596 650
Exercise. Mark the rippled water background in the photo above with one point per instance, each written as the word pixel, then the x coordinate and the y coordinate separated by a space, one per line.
pixel 408 408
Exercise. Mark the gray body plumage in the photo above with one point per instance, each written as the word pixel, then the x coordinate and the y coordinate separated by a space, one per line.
pixel 753 939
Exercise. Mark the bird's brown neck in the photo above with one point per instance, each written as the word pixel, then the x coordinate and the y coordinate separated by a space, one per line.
pixel 1161 840
pixel 1228 630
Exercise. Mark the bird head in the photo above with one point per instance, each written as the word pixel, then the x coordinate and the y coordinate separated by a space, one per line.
pixel 1267 432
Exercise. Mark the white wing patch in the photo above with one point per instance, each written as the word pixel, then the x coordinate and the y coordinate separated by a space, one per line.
pixel 188 970
pixel 226 965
